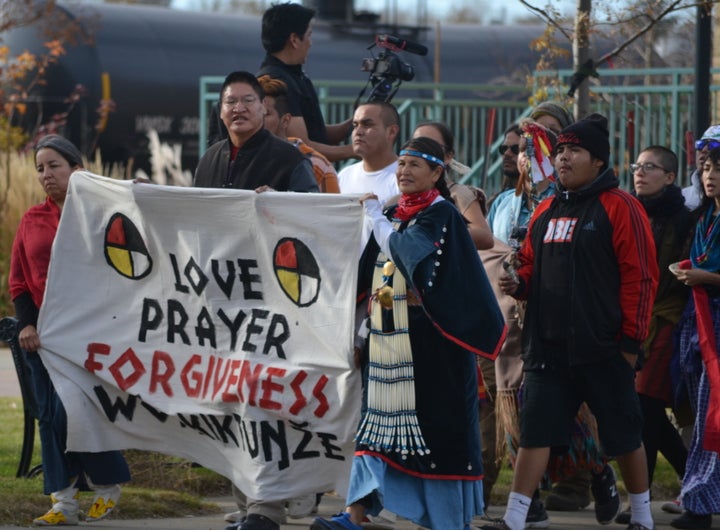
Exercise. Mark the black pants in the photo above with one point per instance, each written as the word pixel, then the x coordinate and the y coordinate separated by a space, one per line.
pixel 659 434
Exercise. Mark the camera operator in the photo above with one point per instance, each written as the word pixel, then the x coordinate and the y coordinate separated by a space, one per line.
pixel 287 38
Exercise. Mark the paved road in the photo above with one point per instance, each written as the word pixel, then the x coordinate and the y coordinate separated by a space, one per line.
pixel 581 520
pixel 8 380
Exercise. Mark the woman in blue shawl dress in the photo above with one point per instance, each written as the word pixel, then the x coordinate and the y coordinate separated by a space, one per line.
pixel 432 310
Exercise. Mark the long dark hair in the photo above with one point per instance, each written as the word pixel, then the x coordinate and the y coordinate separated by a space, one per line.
pixel 707 202
pixel 431 147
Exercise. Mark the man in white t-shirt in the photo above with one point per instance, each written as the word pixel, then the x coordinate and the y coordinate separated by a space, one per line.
pixel 375 128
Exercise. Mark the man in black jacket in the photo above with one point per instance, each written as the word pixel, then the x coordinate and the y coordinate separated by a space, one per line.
pixel 287 38
pixel 589 273
pixel 251 158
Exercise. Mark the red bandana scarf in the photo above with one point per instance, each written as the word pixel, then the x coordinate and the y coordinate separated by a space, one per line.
pixel 411 204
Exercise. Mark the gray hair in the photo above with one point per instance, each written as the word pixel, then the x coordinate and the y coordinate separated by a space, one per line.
pixel 63 146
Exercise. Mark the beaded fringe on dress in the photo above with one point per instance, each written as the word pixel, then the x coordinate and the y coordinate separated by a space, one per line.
pixel 390 422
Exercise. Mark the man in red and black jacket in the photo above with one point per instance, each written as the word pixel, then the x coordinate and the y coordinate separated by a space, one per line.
pixel 589 274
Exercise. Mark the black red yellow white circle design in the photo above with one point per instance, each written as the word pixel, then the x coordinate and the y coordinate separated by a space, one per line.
pixel 297 271
pixel 125 250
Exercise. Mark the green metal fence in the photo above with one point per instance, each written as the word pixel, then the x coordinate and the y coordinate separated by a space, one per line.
pixel 643 106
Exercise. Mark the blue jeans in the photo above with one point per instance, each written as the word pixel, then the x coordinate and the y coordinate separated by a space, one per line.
pixel 61 467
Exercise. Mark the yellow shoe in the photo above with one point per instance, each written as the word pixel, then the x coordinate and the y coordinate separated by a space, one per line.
pixel 104 502
pixel 57 517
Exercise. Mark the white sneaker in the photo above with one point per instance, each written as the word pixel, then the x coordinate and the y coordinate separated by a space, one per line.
pixel 300 507
pixel 384 517
pixel 104 502
pixel 673 506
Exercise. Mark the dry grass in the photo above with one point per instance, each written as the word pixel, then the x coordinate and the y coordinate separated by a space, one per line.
pixel 154 470
pixel 19 190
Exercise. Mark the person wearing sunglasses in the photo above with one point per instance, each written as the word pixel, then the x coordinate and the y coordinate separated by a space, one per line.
pixel 509 150
pixel 511 210
pixel 508 218
pixel 709 140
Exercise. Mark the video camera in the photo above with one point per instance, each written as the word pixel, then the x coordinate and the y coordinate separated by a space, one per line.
pixel 388 71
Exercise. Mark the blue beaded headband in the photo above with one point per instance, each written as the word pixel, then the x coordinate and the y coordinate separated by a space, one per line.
pixel 423 155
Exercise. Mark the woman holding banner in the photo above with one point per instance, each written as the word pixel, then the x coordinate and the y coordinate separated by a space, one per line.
pixel 432 310
pixel 64 473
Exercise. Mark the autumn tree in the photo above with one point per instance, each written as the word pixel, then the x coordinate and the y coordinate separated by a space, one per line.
pixel 21 71
pixel 641 17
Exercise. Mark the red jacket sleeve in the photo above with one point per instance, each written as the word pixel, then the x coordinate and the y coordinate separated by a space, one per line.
pixel 635 251
pixel 17 282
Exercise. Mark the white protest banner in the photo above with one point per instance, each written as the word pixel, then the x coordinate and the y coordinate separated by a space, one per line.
pixel 211 324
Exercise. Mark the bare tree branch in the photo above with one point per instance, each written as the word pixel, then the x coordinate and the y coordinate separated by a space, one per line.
pixel 673 6
pixel 547 17
pixel 14 14
pixel 652 20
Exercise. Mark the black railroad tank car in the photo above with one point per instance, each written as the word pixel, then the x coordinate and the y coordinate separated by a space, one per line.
pixel 148 61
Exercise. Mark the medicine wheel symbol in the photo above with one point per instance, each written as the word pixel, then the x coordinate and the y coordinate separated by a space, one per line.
pixel 125 250
pixel 297 271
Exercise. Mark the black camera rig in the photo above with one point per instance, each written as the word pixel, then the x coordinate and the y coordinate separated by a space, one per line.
pixel 387 70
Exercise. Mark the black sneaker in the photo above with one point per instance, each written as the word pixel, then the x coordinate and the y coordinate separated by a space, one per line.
pixel 570 494
pixel 604 490
pixel 537 517
pixel 624 516
pixel 638 526
pixel 692 520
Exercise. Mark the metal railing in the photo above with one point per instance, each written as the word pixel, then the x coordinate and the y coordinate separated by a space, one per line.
pixel 467 109
pixel 643 107
pixel 652 106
